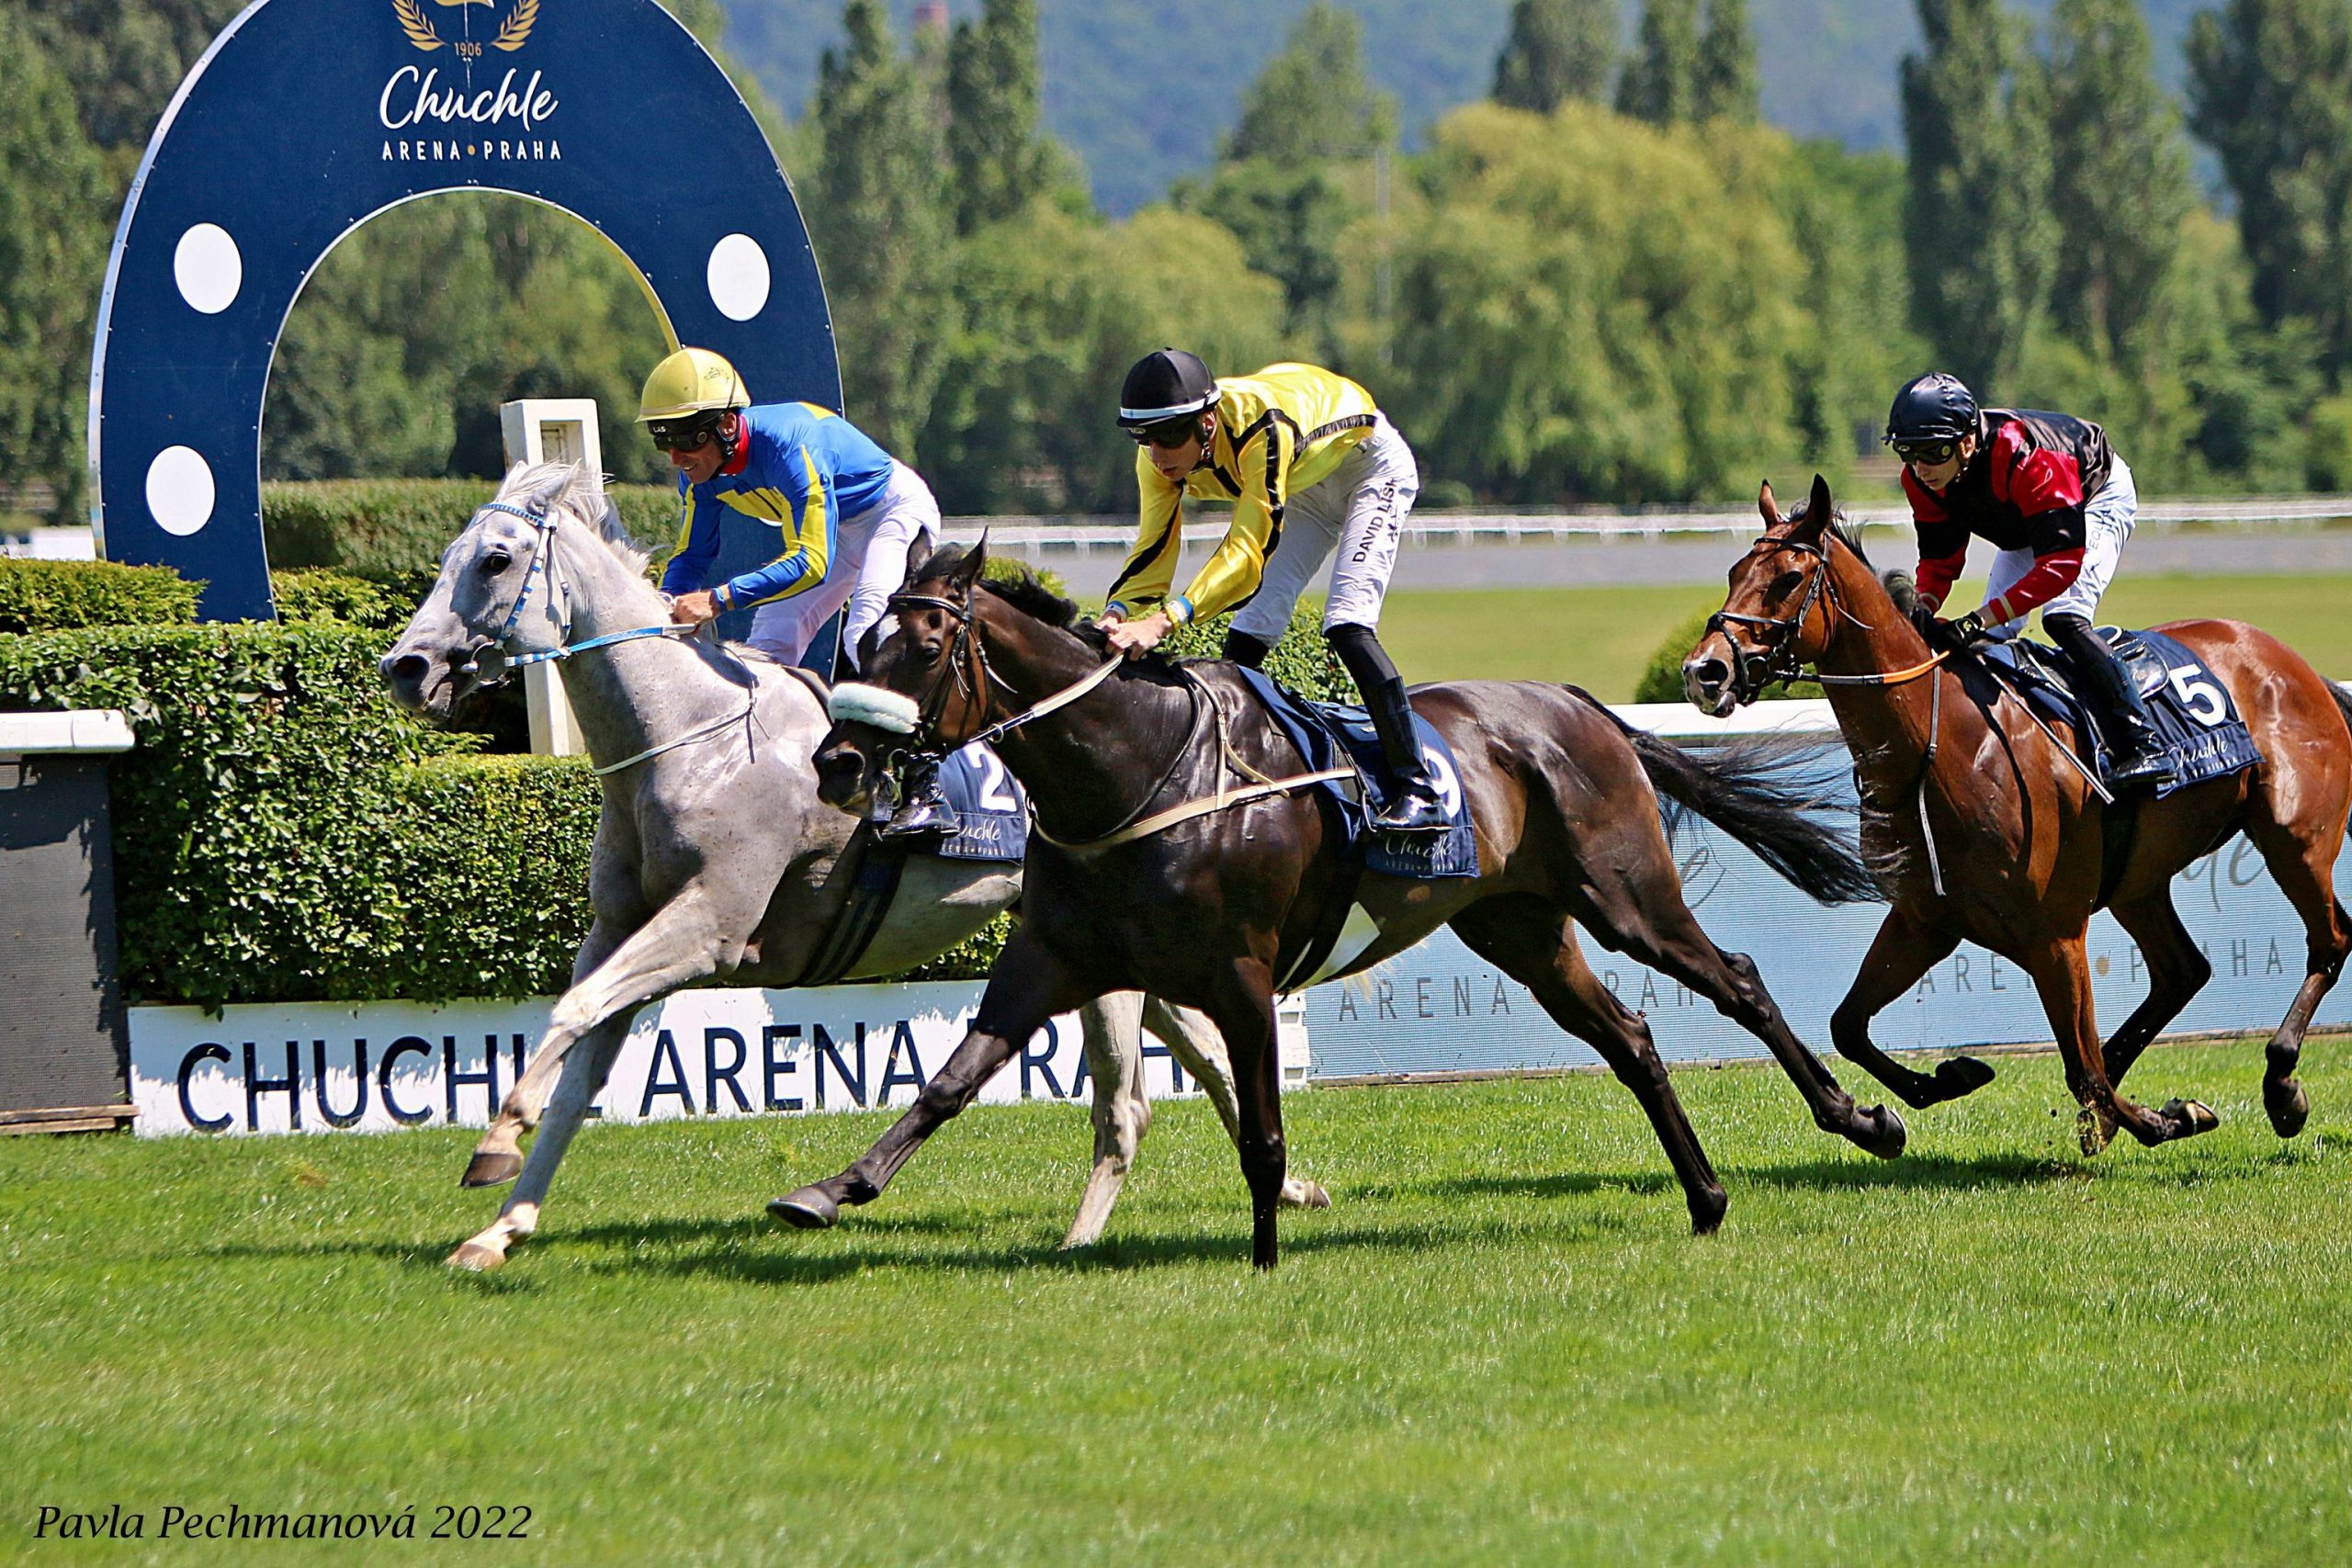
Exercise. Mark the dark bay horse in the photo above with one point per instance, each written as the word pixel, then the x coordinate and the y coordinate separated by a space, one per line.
pixel 1960 786
pixel 1212 910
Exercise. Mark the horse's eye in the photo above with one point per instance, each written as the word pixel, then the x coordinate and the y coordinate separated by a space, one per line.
pixel 1784 585
pixel 495 563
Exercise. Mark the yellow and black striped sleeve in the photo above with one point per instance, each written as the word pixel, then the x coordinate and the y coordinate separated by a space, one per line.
pixel 1262 459
pixel 1159 539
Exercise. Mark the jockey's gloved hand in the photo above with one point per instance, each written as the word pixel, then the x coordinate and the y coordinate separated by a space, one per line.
pixel 1923 619
pixel 1950 636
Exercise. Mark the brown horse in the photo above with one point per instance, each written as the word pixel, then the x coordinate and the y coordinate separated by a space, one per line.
pixel 1991 836
pixel 1214 910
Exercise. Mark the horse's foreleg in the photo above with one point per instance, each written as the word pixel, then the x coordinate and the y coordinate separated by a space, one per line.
pixel 498 1157
pixel 1903 949
pixel 1026 987
pixel 2062 979
pixel 1112 1027
pixel 1243 1012
pixel 1201 1050
pixel 585 1073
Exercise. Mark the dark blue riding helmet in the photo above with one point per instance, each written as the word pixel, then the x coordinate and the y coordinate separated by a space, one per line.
pixel 1934 407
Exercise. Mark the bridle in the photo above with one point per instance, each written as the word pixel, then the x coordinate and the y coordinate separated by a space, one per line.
pixel 544 525
pixel 543 559
pixel 1777 659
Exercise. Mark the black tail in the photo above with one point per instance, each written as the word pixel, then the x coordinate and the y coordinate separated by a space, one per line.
pixel 1746 789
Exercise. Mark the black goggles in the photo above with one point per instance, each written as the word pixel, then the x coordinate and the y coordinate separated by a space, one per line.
pixel 1939 450
pixel 684 434
pixel 1169 433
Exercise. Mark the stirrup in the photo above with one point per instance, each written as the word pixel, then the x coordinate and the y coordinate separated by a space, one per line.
pixel 923 816
pixel 2147 767
pixel 1414 810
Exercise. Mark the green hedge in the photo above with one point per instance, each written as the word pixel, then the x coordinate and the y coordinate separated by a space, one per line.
pixel 56 595
pixel 394 531
pixel 283 833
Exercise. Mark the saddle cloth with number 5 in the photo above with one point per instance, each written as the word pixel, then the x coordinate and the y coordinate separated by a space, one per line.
pixel 2193 714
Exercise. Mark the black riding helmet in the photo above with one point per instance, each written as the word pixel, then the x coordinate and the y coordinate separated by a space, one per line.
pixel 1935 407
pixel 1166 384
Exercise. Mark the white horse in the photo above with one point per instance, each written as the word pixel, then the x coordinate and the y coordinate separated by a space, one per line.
pixel 714 858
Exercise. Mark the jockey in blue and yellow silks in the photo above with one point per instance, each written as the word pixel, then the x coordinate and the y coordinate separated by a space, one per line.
pixel 846 512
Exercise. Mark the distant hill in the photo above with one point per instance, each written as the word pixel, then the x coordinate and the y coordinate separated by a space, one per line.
pixel 1141 91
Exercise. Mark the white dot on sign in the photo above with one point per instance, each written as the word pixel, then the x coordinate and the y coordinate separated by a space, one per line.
pixel 738 277
pixel 179 490
pixel 207 268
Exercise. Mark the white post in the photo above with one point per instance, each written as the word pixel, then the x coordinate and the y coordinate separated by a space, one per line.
pixel 552 430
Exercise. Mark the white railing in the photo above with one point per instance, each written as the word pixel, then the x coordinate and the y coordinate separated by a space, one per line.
pixel 1047 534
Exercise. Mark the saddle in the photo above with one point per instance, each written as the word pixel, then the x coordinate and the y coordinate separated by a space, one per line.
pixel 2191 711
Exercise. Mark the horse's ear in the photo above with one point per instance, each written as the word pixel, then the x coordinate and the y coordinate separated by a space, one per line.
pixel 918 553
pixel 1818 508
pixel 974 562
pixel 1767 507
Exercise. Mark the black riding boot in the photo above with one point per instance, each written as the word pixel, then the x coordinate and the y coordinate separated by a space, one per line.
pixel 2135 755
pixel 1240 648
pixel 1415 807
pixel 923 810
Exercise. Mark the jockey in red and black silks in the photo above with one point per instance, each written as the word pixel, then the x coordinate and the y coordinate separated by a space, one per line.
pixel 2052 494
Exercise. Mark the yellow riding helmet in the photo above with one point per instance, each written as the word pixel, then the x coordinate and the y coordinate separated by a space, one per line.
pixel 693 381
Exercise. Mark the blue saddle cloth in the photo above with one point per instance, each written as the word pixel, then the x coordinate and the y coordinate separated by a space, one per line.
pixel 2192 712
pixel 1330 736
pixel 991 809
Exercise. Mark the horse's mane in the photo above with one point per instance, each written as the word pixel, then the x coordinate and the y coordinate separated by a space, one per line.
pixel 1018 586
pixel 542 487
pixel 1894 580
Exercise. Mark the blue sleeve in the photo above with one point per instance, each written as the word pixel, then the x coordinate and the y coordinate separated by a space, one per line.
pixel 697 542
pixel 810 537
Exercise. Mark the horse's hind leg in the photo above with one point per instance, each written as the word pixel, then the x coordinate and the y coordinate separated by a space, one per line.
pixel 1654 925
pixel 2178 970
pixel 584 1072
pixel 2303 864
pixel 1201 1050
pixel 1113 1025
pixel 1535 944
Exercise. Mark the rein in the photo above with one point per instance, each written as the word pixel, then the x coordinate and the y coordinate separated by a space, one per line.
pixel 965 649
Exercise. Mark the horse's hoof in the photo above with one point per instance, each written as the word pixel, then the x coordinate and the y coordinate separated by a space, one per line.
pixel 1314 1197
pixel 1961 1076
pixel 2093 1129
pixel 491 1167
pixel 1707 1210
pixel 1879 1131
pixel 2288 1106
pixel 808 1209
pixel 2187 1118
pixel 475 1259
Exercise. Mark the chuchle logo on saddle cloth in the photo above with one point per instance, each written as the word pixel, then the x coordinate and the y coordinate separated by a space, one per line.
pixel 1327 735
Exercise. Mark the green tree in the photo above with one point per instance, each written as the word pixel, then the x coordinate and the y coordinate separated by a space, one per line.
pixel 1053 308
pixel 1311 101
pixel 1001 163
pixel 2270 90
pixel 1556 50
pixel 1726 86
pixel 1591 309
pixel 2120 182
pixel 53 182
pixel 1978 228
pixel 879 216
pixel 1661 81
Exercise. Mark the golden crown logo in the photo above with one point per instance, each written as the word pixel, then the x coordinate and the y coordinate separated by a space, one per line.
pixel 513 33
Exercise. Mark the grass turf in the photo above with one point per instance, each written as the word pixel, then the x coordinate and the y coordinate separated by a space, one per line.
pixel 1600 637
pixel 1502 1345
